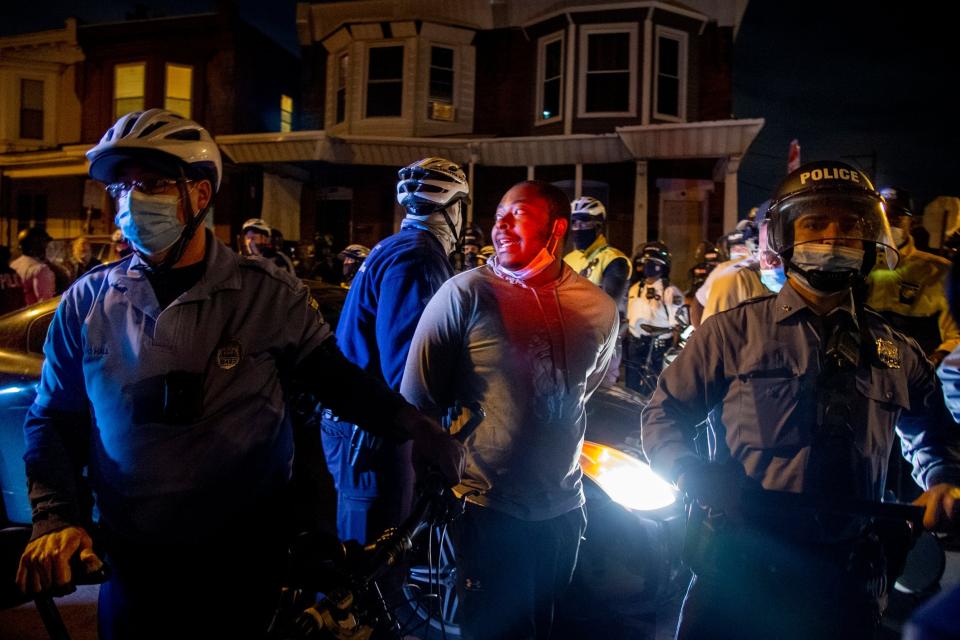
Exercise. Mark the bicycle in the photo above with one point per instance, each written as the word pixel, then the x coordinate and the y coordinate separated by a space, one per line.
pixel 333 588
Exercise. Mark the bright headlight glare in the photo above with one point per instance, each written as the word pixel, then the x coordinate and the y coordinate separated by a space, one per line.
pixel 626 480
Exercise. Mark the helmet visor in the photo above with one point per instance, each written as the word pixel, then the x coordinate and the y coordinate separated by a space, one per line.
pixel 816 217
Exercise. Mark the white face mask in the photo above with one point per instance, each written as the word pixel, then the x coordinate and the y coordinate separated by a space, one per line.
pixel 149 223
pixel 813 256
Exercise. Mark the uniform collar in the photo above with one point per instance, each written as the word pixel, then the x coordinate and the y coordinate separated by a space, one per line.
pixel 789 303
pixel 907 249
pixel 220 272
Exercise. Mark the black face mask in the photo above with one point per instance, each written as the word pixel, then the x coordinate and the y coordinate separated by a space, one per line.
pixel 583 238
pixel 652 269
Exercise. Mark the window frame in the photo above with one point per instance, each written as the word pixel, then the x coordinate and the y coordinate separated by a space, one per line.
pixel 366 78
pixel 542 43
pixel 455 90
pixel 166 87
pixel 143 88
pixel 345 53
pixel 630 28
pixel 683 60
pixel 42 110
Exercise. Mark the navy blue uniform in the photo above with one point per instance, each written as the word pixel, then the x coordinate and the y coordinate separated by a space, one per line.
pixel 381 312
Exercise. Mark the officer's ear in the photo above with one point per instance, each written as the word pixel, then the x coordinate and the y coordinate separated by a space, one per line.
pixel 201 194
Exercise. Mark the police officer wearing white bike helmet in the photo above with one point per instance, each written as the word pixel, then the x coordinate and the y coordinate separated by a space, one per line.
pixel 374 478
pixel 165 375
pixel 805 392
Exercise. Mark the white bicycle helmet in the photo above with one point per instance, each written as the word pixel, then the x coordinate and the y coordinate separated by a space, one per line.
pixel 587 208
pixel 431 184
pixel 161 140
pixel 256 224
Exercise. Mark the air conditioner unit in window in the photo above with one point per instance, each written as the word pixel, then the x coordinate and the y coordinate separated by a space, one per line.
pixel 441 111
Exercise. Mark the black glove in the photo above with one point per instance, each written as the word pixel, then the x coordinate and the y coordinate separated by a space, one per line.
pixel 717 486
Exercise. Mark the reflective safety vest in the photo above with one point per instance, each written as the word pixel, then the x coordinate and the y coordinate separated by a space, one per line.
pixel 913 299
pixel 594 260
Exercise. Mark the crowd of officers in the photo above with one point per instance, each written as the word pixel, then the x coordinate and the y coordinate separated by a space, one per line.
pixel 163 396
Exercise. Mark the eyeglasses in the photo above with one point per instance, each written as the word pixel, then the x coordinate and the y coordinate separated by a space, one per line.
pixel 148 187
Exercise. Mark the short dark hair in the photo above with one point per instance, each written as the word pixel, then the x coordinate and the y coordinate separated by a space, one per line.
pixel 558 205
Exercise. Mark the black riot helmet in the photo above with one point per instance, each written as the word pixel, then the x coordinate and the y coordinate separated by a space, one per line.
pixel 655 260
pixel 841 201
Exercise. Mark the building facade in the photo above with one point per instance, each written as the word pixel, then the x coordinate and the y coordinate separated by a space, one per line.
pixel 629 102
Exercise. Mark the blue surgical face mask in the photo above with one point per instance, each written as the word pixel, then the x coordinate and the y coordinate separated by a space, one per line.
pixel 149 223
pixel 773 279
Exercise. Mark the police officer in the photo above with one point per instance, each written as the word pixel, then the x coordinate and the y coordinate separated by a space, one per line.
pixel 472 244
pixel 913 297
pixel 804 391
pixel 592 256
pixel 740 245
pixel 165 375
pixel 652 305
pixel 352 258
pixel 257 239
pixel 752 277
pixel 373 477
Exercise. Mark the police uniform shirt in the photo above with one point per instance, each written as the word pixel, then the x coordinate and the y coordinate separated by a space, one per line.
pixel 112 348
pixel 658 310
pixel 755 369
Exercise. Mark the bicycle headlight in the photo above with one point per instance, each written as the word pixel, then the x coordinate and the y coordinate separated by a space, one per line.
pixel 625 479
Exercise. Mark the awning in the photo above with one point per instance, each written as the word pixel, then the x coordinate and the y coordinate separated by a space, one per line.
pixel 717 139
pixel 66 161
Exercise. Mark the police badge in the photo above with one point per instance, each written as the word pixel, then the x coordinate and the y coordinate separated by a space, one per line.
pixel 228 356
pixel 888 354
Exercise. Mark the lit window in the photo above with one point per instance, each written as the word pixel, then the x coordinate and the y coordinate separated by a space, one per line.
pixel 178 89
pixel 671 65
pixel 550 73
pixel 385 82
pixel 31 109
pixel 128 87
pixel 608 70
pixel 440 105
pixel 286 113
pixel 343 71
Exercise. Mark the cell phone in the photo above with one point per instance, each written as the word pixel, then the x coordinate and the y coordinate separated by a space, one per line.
pixel 462 420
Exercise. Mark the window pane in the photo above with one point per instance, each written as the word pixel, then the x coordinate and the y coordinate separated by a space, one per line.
pixel 386 63
pixel 441 85
pixel 341 105
pixel 126 105
pixel 343 69
pixel 179 81
pixel 668 96
pixel 608 52
pixel 31 124
pixel 384 99
pixel 177 105
pixel 551 99
pixel 31 94
pixel 441 57
pixel 668 61
pixel 552 59
pixel 608 92
pixel 128 80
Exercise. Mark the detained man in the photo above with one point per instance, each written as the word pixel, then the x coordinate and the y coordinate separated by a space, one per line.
pixel 528 340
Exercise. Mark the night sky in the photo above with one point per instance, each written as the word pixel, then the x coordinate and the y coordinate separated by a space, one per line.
pixel 846 79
